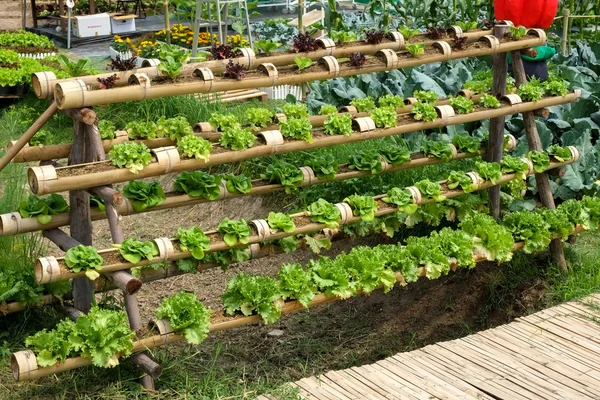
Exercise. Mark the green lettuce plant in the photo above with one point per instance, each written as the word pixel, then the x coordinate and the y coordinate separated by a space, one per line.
pixel 540 160
pixel 281 222
pixel 489 171
pixel 324 166
pixel 43 208
pixel 237 138
pixel 323 212
pixel 187 316
pixel 259 117
pixel 362 206
pixel 194 241
pixel 403 199
pixel 131 155
pixel 296 284
pixel 234 231
pixel 430 190
pixel 84 258
pixel 338 124
pixel 285 174
pixel 143 194
pixel 384 117
pixel 194 147
pixel 253 294
pixel 366 161
pixel 134 250
pixel 237 183
pixel 297 128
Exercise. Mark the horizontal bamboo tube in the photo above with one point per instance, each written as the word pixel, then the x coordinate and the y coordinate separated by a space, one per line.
pixel 13 223
pixel 74 98
pixel 25 368
pixel 60 272
pixel 41 185
pixel 13 306
pixel 58 151
pixel 43 83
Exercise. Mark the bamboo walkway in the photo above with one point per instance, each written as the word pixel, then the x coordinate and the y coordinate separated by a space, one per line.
pixel 552 354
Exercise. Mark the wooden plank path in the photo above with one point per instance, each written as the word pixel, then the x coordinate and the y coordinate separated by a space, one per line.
pixel 552 354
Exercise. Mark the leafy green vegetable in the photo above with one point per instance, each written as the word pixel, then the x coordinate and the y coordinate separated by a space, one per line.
pixel 267 46
pixel 390 101
pixel 297 111
pixel 194 241
pixel 490 101
pixel 324 166
pixel 426 96
pixel 363 206
pixel 557 87
pixel 223 121
pixel 170 67
pixel 237 183
pixel 489 171
pixel 84 258
pixel 530 228
pixel 416 49
pixel 237 138
pixel 141 130
pixel 559 223
pixel 366 270
pixel 297 128
pixel 366 161
pixel 514 165
pixel 194 146
pixel 144 195
pixel 250 294
pixel 199 184
pixel 107 129
pixel 331 278
pixel 186 315
pixel 517 32
pixel 288 244
pixel 234 231
pixel 540 160
pixel 338 124
pixel 430 189
pixel 429 254
pixel 303 62
pixel 43 209
pixel 461 104
pixel 285 174
pixel 460 178
pixel 492 240
pixel 296 284
pixel 259 117
pixel 53 346
pixel 316 244
pixel 424 112
pixel 395 155
pixel 403 199
pixel 324 212
pixel 365 104
pixel 131 155
pixel 134 250
pixel 467 144
pixel 173 128
pixel 328 109
pixel 455 244
pixel 408 32
pixel 561 154
pixel 438 149
pixel 384 117
pixel 531 91
pixel 281 221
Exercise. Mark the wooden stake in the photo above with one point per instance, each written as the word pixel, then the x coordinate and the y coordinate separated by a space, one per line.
pixel 33 129
pixel 534 142
pixel 496 138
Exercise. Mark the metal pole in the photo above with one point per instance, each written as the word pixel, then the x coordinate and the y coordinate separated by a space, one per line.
pixel 565 33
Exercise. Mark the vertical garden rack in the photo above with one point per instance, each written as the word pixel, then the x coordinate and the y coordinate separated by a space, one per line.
pixel 74 96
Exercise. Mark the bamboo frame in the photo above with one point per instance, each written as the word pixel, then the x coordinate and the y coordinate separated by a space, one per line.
pixel 74 94
pixel 12 223
pixel 58 151
pixel 24 366
pixel 51 269
pixel 44 82
pixel 44 180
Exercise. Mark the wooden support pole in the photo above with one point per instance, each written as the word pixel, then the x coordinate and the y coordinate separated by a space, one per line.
pixel 85 115
pixel 108 194
pixel 61 239
pixel 496 138
pixel 33 129
pixel 534 142
pixel 71 312
pixel 564 44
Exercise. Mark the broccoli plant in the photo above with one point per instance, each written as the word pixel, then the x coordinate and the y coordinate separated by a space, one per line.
pixel 297 128
pixel 384 117
pixel 461 104
pixel 424 112
pixel 338 124
pixel 324 166
pixel 131 155
pixel 237 138
pixel 198 184
pixel 194 147
pixel 144 195
pixel 84 258
pixel 234 231
pixel 490 101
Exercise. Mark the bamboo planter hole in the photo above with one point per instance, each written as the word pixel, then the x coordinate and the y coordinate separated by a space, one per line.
pixel 12 223
pixel 44 180
pixel 24 364
pixel 44 82
pixel 51 269
pixel 72 94
pixel 202 129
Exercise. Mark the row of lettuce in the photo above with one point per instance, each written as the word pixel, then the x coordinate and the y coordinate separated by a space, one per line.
pixel 238 232
pixel 104 335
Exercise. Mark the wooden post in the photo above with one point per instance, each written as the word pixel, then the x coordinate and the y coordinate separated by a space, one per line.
pixel 564 44
pixel 496 139
pixel 534 142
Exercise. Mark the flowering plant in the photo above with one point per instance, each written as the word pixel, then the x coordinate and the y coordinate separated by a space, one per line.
pixel 120 45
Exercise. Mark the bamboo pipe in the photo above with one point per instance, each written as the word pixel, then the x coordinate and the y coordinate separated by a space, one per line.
pixel 13 223
pixel 50 269
pixel 44 82
pixel 58 151
pixel 24 366
pixel 23 140
pixel 44 180
pixel 73 96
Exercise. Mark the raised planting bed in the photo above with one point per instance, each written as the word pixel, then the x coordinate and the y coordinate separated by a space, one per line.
pixel 44 82
pixel 13 223
pixel 51 269
pixel 202 129
pixel 75 94
pixel 49 179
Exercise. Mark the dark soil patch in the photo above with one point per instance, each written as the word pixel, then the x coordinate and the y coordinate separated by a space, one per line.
pixel 78 170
